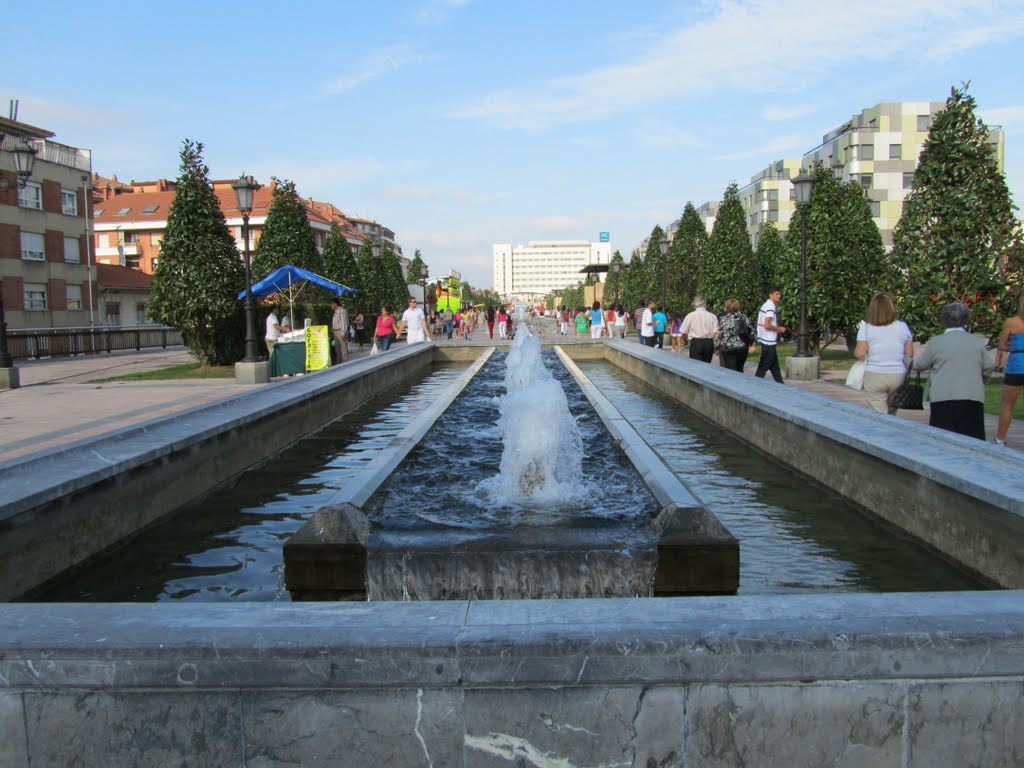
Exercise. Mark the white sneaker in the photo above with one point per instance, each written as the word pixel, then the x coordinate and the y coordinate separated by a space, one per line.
pixel 999 442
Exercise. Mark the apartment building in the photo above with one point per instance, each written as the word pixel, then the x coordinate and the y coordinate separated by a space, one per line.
pixel 47 278
pixel 532 271
pixel 877 148
pixel 130 220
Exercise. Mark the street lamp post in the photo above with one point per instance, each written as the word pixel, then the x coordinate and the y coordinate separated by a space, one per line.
pixel 663 245
pixel 423 286
pixel 244 188
pixel 617 269
pixel 24 159
pixel 803 185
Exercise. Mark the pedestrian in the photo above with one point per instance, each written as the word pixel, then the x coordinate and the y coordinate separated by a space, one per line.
pixel 339 328
pixel 490 321
pixel 959 363
pixel 414 324
pixel 647 325
pixel 700 329
pixel 883 341
pixel 448 322
pixel 360 326
pixel 508 324
pixel 660 323
pixel 274 329
pixel 609 321
pixel 621 320
pixel 676 332
pixel 735 337
pixel 502 317
pixel 564 325
pixel 596 320
pixel 638 321
pixel 768 335
pixel 385 329
pixel 581 320
pixel 1011 352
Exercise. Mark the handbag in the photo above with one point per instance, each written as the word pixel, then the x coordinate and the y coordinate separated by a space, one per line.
pixel 909 396
pixel 855 378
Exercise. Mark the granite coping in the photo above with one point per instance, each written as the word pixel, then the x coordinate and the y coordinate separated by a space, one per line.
pixel 760 638
pixel 37 478
pixel 980 469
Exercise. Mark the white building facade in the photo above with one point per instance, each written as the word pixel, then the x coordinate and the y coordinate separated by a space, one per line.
pixel 532 271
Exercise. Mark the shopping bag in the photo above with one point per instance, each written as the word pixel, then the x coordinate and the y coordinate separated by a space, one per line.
pixel 855 378
pixel 373 349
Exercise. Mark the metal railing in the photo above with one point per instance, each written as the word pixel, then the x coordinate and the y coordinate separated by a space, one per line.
pixel 60 342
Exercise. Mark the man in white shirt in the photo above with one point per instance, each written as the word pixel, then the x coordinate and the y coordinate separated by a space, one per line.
pixel 647 325
pixel 768 336
pixel 701 328
pixel 339 328
pixel 274 329
pixel 414 324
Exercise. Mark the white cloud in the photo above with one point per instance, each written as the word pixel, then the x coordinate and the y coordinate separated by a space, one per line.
pixel 557 225
pixel 1010 118
pixel 773 150
pixel 411 193
pixel 318 180
pixel 666 136
pixel 379 63
pixel 751 46
pixel 435 12
pixel 780 112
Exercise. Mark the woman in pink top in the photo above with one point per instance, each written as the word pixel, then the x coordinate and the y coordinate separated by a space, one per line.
pixel 385 331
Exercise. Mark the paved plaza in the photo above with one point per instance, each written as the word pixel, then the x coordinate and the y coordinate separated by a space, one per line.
pixel 64 400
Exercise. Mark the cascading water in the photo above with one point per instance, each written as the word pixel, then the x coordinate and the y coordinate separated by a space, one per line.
pixel 542 455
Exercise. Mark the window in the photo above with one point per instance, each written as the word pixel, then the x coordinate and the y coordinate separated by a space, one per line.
pixel 866 180
pixel 924 122
pixel 74 295
pixel 71 251
pixel 908 180
pixel 123 211
pixel 104 241
pixel 112 314
pixel 69 202
pixel 154 240
pixel 130 238
pixel 895 151
pixel 867 151
pixel 32 246
pixel 773 195
pixel 150 209
pixel 31 196
pixel 97 212
pixel 35 296
pixel 140 314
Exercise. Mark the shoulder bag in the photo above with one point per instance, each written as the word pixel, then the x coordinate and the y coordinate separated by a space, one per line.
pixel 910 395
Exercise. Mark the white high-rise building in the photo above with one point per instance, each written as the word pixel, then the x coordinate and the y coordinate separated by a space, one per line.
pixel 532 271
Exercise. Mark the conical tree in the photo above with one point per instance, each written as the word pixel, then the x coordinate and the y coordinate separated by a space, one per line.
pixel 685 256
pixel 338 263
pixel 199 273
pixel 846 260
pixel 634 283
pixel 287 237
pixel 656 268
pixel 395 288
pixel 614 280
pixel 958 239
pixel 416 267
pixel 767 255
pixel 728 267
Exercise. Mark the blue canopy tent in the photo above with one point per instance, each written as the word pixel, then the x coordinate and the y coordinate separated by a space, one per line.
pixel 283 280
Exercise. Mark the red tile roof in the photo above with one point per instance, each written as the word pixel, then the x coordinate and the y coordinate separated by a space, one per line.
pixel 114 276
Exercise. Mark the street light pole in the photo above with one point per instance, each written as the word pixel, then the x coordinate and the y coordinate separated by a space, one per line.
pixel 617 269
pixel 803 185
pixel 24 158
pixel 244 188
pixel 663 245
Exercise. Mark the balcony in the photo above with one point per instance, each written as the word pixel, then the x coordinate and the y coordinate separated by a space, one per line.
pixel 58 154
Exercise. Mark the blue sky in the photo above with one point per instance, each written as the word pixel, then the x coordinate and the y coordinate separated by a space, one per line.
pixel 461 123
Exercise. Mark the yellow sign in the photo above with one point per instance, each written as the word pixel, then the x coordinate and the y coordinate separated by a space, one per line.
pixel 318 348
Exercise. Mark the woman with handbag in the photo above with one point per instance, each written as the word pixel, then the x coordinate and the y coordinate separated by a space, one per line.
pixel 883 341
pixel 735 336
pixel 959 363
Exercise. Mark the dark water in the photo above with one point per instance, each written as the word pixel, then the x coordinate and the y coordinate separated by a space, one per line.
pixel 794 536
pixel 228 546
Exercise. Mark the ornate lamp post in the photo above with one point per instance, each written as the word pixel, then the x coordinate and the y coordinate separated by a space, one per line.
pixel 423 286
pixel 244 188
pixel 663 245
pixel 803 185
pixel 617 269
pixel 24 159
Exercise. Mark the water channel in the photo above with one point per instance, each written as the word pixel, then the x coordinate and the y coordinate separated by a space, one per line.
pixel 794 537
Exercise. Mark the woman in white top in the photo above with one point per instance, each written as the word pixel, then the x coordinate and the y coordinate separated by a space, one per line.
pixel 885 342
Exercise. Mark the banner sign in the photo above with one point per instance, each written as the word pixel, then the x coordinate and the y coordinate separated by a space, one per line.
pixel 318 348
pixel 606 237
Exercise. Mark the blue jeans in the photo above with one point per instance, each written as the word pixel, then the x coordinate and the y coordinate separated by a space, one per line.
pixel 384 342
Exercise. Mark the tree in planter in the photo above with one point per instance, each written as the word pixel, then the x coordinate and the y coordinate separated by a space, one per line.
pixel 416 268
pixel 684 258
pixel 728 267
pixel 613 285
pixel 958 239
pixel 767 255
pixel 655 267
pixel 373 296
pixel 287 237
pixel 200 273
pixel 338 264
pixel 846 261
pixel 634 283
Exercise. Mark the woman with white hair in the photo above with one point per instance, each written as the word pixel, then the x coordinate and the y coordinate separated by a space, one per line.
pixel 959 363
